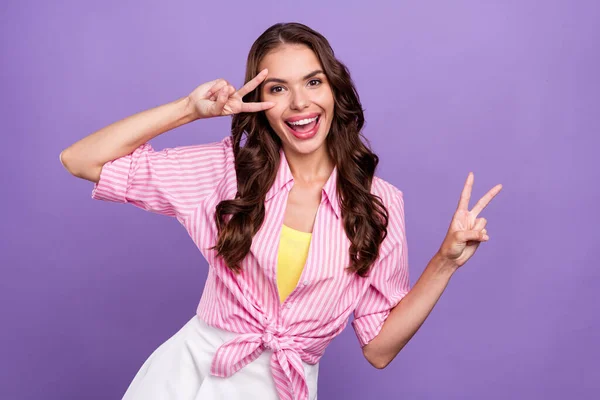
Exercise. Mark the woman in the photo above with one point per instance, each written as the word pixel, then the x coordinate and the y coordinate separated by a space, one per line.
pixel 297 230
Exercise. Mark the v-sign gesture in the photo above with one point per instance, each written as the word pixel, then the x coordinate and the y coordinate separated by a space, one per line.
pixel 467 231
pixel 218 98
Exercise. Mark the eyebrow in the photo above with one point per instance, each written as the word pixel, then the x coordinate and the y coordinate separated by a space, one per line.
pixel 277 80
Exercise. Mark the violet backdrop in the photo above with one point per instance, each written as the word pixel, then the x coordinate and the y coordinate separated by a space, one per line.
pixel 507 89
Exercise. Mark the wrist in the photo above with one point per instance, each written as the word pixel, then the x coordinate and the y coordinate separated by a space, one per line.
pixel 443 265
pixel 189 109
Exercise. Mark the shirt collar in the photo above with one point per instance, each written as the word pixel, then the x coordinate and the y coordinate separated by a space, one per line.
pixel 330 190
pixel 285 179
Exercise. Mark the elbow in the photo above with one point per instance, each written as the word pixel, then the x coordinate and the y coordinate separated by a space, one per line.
pixel 64 161
pixel 379 364
pixel 378 361
pixel 91 173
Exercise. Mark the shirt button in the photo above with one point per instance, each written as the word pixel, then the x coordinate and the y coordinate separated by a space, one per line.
pixel 305 282
pixel 288 305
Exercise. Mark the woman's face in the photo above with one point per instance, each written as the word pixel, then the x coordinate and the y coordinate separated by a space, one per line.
pixel 303 99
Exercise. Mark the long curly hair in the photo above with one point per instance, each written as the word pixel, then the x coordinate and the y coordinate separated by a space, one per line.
pixel 365 218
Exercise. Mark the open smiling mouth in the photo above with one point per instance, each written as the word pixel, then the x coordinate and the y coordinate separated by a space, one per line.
pixel 304 128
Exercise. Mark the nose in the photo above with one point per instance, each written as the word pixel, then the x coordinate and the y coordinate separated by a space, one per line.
pixel 300 100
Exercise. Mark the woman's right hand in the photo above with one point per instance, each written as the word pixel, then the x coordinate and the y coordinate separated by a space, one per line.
pixel 218 98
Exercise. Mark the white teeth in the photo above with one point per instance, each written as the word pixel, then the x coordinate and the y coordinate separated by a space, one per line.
pixel 304 121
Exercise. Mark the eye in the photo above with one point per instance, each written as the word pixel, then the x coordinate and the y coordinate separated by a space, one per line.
pixel 276 89
pixel 314 82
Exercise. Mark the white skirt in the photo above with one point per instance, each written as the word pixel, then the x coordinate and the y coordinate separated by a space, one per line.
pixel 179 369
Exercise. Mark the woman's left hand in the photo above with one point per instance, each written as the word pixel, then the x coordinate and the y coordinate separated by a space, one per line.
pixel 466 231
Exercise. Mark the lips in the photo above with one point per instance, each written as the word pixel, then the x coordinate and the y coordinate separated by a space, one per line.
pixel 301 117
pixel 304 131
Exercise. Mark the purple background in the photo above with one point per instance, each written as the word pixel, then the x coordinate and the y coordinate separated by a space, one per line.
pixel 507 89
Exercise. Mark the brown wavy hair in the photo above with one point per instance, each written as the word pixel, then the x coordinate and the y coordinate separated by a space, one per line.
pixel 257 160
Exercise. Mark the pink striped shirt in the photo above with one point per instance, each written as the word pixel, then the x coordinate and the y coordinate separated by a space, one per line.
pixel 188 182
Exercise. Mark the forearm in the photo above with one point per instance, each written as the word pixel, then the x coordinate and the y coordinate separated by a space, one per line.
pixel 86 157
pixel 407 317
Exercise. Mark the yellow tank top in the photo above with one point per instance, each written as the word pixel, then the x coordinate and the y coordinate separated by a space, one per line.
pixel 293 251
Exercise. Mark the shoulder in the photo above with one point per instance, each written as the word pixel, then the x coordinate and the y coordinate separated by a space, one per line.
pixel 222 149
pixel 213 156
pixel 226 144
pixel 392 199
pixel 212 164
pixel 389 194
pixel 202 153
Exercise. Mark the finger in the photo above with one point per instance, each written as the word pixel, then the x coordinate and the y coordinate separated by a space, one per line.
pixel 222 98
pixel 485 200
pixel 465 236
pixel 216 86
pixel 253 83
pixel 229 89
pixel 210 84
pixel 211 94
pixel 465 196
pixel 480 223
pixel 256 107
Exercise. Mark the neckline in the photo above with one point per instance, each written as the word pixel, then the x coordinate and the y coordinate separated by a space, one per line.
pixel 295 231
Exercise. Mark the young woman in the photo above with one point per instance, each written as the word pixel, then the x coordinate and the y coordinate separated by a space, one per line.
pixel 297 230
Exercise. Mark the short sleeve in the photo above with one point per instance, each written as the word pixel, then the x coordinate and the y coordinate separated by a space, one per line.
pixel 171 182
pixel 389 278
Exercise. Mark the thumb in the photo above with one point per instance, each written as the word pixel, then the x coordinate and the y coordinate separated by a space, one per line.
pixel 465 236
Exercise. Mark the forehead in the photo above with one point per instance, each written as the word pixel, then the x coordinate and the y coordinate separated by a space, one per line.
pixel 290 62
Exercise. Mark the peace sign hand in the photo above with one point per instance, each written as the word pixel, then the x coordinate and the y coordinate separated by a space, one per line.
pixel 467 231
pixel 218 98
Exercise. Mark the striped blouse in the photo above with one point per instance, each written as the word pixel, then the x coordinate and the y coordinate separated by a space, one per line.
pixel 188 182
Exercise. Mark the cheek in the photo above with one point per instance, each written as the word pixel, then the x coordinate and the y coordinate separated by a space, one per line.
pixel 274 114
pixel 325 100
